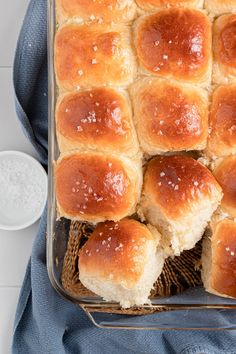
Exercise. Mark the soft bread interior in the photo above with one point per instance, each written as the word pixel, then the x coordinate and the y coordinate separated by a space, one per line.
pixel 133 296
pixel 183 233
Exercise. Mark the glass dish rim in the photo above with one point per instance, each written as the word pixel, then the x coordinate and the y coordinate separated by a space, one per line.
pixel 86 303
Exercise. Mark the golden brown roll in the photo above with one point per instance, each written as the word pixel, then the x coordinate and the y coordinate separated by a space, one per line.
pixel 224 50
pixel 121 262
pixel 98 119
pixel 175 43
pixel 179 198
pixel 219 260
pixel 96 10
pixel 222 137
pixel 225 173
pixel 90 55
pixel 169 116
pixel 94 187
pixel 150 5
pixel 219 7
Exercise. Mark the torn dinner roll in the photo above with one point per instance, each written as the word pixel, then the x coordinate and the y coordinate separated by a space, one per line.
pixel 121 261
pixel 179 198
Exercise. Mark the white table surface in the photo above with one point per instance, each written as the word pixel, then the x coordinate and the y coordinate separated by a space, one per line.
pixel 15 247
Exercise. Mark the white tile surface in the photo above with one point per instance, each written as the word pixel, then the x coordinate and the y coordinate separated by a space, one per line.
pixel 8 302
pixel 15 247
pixel 11 16
pixel 11 135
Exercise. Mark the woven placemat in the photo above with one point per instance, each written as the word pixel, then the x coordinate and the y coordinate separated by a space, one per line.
pixel 179 273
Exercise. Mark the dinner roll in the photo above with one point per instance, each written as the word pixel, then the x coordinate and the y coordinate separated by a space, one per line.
pixel 96 10
pixel 222 137
pixel 98 119
pixel 225 173
pixel 121 261
pixel 169 116
pixel 179 198
pixel 224 50
pixel 152 5
pixel 90 55
pixel 219 260
pixel 94 187
pixel 175 43
pixel 219 7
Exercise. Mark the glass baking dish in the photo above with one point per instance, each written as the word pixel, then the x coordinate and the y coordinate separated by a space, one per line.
pixel 188 306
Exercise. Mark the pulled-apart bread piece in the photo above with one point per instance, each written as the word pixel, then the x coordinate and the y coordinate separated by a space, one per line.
pixel 169 116
pixel 175 43
pixel 220 7
pixel 222 122
pixel 91 55
pixel 116 11
pixel 98 119
pixel 94 187
pixel 153 5
pixel 224 49
pixel 179 198
pixel 219 259
pixel 225 173
pixel 120 262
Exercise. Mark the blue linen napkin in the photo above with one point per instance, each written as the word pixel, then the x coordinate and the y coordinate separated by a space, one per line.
pixel 45 323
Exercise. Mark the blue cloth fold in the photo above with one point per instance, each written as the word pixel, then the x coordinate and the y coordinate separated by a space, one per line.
pixel 46 323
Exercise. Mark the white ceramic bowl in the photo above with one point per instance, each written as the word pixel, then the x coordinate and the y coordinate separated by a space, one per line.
pixel 23 190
